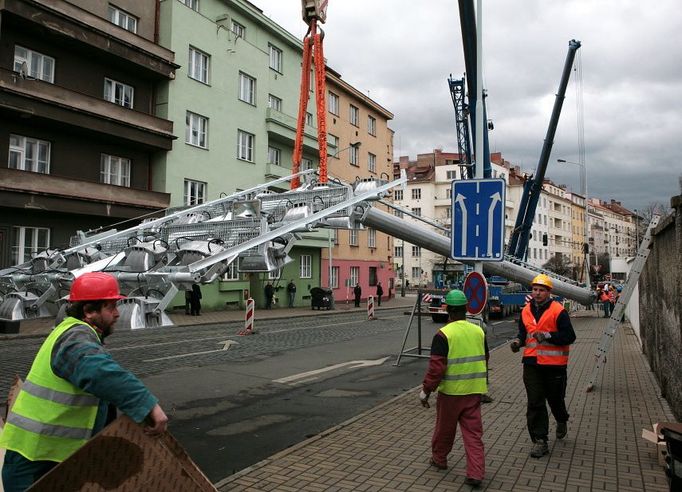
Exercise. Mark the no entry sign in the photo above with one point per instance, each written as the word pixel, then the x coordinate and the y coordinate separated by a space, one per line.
pixel 476 290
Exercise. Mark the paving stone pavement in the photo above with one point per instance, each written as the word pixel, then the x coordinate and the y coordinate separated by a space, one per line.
pixel 388 447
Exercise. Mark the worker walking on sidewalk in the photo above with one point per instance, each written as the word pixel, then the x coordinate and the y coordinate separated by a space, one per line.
pixel 545 332
pixel 457 368
pixel 73 388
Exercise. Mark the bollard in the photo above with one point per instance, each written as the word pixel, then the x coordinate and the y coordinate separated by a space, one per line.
pixel 370 308
pixel 248 318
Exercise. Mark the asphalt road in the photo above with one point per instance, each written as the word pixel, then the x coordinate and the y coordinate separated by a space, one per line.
pixel 234 401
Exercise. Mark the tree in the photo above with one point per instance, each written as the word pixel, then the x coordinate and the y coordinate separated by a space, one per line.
pixel 653 208
pixel 559 264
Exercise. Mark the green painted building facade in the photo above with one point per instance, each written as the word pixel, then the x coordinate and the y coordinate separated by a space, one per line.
pixel 234 103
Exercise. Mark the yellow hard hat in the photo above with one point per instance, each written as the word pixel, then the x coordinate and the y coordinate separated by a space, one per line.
pixel 543 279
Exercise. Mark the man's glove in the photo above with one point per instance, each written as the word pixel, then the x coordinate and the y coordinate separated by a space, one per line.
pixel 515 345
pixel 424 398
pixel 541 336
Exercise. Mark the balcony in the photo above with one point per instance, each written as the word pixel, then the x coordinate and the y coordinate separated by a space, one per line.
pixel 274 171
pixel 28 190
pixel 283 126
pixel 35 98
pixel 61 18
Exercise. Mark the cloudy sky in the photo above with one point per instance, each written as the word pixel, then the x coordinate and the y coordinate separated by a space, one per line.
pixel 401 53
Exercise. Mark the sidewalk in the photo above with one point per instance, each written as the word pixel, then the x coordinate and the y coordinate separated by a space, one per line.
pixel 44 325
pixel 388 447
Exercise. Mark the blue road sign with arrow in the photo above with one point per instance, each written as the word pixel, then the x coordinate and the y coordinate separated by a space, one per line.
pixel 478 219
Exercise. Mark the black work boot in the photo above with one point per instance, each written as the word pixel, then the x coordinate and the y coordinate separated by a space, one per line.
pixel 539 449
pixel 561 430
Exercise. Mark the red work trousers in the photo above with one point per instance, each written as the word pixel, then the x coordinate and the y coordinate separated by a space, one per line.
pixel 465 410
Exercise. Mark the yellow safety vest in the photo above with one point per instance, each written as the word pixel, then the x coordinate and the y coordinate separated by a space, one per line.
pixel 466 370
pixel 51 417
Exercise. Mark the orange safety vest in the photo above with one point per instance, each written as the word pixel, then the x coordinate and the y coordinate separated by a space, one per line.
pixel 545 353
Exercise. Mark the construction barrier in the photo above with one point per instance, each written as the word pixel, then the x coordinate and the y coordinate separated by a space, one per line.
pixel 248 318
pixel 370 308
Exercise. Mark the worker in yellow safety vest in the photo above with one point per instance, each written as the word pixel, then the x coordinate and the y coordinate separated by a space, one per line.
pixel 545 332
pixel 73 388
pixel 457 369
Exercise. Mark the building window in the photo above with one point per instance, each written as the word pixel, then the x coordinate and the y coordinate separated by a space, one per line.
pixel 274 156
pixel 38 66
pixel 29 154
pixel 416 252
pixel 122 19
pixel 451 174
pixel 232 272
pixel 193 4
pixel 247 89
pixel 373 280
pixel 354 155
pixel 196 130
pixel 398 251
pixel 309 119
pixel 28 241
pixel 416 272
pixel 245 144
pixel 354 116
pixel 306 266
pixel 372 125
pixel 198 65
pixel 417 211
pixel 118 93
pixel 114 170
pixel 195 192
pixel 398 194
pixel 238 29
pixel 371 162
pixel 335 236
pixel 307 164
pixel 371 238
pixel 275 274
pixel 333 145
pixel 416 193
pixel 335 278
pixel 333 103
pixel 354 277
pixel 398 214
pixel 275 58
pixel 353 237
pixel 274 102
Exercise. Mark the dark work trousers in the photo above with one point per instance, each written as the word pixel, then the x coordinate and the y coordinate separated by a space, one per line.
pixel 19 473
pixel 544 384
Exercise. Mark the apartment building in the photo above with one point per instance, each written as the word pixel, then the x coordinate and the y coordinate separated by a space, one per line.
pixel 234 104
pixel 78 91
pixel 618 228
pixel 360 146
pixel 578 232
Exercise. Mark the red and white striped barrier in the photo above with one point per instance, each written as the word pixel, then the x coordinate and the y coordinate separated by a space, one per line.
pixel 370 308
pixel 248 318
pixel 426 298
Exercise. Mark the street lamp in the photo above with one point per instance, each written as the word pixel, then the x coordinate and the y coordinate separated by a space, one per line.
pixel 583 192
pixel 355 145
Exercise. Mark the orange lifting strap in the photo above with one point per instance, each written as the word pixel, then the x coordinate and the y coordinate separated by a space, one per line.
pixel 312 49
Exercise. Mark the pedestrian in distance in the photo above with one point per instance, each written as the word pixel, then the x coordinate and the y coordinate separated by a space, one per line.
pixel 546 333
pixel 357 293
pixel 73 388
pixel 269 293
pixel 196 300
pixel 291 293
pixel 605 302
pixel 457 370
pixel 380 292
pixel 188 301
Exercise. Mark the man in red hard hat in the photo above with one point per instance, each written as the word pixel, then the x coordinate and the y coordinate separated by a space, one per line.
pixel 73 388
pixel 545 332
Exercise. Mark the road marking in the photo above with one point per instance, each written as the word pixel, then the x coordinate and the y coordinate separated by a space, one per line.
pixel 226 346
pixel 305 377
pixel 498 322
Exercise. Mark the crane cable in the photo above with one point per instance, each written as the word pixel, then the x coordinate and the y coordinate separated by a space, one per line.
pixel 312 53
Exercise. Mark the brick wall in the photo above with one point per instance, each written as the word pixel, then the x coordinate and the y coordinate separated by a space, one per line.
pixel 660 297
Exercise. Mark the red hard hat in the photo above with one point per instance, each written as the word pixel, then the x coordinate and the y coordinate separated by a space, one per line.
pixel 95 286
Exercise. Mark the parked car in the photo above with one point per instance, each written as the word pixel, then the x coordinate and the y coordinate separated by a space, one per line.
pixel 320 298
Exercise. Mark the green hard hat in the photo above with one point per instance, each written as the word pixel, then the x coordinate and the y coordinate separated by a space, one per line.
pixel 456 298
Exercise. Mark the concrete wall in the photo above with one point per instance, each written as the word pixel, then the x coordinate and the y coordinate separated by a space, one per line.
pixel 661 307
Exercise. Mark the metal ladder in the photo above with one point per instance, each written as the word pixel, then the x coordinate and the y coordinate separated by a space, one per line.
pixel 623 299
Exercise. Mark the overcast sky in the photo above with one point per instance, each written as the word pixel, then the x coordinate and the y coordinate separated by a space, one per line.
pixel 401 53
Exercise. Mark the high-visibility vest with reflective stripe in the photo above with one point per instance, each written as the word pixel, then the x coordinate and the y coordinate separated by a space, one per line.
pixel 545 353
pixel 466 369
pixel 51 417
